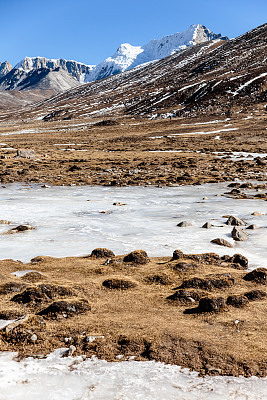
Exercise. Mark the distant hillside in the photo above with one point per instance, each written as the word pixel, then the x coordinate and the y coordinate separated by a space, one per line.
pixel 211 77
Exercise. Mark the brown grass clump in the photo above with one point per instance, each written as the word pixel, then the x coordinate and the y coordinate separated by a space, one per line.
pixel 137 257
pixel 102 252
pixel 258 275
pixel 121 284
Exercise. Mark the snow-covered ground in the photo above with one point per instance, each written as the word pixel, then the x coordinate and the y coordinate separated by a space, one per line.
pixel 56 378
pixel 73 221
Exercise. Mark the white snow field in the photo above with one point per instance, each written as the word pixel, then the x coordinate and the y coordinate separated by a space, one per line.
pixel 56 378
pixel 72 221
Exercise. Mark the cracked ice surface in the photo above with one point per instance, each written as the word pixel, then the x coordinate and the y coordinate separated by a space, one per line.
pixel 69 221
pixel 56 378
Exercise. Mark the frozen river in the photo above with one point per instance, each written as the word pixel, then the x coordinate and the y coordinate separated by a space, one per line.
pixel 72 221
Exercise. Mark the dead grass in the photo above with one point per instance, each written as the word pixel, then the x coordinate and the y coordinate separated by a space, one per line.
pixel 122 154
pixel 142 315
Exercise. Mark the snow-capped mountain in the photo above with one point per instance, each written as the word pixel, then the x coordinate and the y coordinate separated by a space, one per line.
pixel 60 74
pixel 128 56
pixel 76 69
pixel 43 73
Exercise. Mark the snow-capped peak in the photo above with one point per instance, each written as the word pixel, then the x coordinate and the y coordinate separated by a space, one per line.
pixel 128 56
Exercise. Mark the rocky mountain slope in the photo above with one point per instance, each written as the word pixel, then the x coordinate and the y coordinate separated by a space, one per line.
pixel 43 78
pixel 213 77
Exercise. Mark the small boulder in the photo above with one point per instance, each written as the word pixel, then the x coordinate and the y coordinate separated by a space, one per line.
pixel 255 295
pixel 26 153
pixel 253 226
pixel 256 213
pixel 102 253
pixel 17 229
pixel 184 224
pixel 239 235
pixel 235 221
pixel 222 242
pixel 260 161
pixel 258 275
pixel 237 261
pixel 137 257
pixel 237 301
pixel 121 284
pixel 207 225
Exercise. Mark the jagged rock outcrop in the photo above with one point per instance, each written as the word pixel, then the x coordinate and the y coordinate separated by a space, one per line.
pixel 5 67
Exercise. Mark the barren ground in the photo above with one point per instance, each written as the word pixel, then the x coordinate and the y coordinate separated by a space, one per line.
pixel 80 152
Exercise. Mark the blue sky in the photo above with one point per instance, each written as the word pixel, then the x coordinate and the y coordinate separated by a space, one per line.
pixel 90 31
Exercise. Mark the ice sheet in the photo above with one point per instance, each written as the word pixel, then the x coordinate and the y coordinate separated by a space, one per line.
pixel 67 224
pixel 56 378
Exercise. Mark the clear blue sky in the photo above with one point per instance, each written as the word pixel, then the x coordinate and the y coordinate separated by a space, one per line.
pixel 90 31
